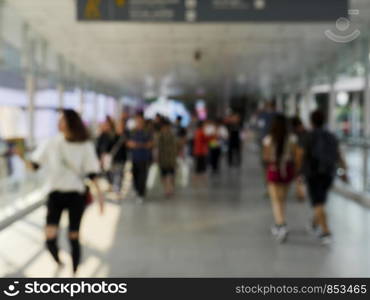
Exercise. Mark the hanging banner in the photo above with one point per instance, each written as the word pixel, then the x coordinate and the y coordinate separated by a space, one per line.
pixel 212 10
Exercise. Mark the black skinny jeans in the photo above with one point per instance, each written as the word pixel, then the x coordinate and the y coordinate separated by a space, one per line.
pixel 234 155
pixel 214 157
pixel 75 204
pixel 140 174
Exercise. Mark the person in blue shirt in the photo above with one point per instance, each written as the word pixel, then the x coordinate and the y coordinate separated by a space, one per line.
pixel 141 144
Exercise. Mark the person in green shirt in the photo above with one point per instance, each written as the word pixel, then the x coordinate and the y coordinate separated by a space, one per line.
pixel 168 147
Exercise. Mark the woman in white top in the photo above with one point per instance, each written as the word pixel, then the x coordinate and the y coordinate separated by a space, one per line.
pixel 280 153
pixel 67 159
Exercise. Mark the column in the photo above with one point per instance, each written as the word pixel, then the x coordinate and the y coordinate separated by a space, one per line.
pixel 366 108
pixel 226 95
pixel 292 105
pixel 61 90
pixel 306 106
pixel 60 85
pixel 355 117
pixel 332 104
pixel 28 63
pixel 31 92
pixel 366 119
pixel 118 108
pixel 279 103
pixel 96 113
pixel 44 49
pixel 82 101
pixel 1 28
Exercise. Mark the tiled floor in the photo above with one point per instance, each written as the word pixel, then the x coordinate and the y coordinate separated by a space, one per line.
pixel 218 228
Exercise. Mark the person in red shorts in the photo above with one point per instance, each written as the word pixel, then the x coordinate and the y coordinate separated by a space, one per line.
pixel 281 156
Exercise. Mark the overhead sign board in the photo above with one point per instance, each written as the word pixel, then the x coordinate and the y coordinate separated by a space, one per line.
pixel 212 10
pixel 131 10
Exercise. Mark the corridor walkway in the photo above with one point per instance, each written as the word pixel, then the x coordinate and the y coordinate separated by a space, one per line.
pixel 218 228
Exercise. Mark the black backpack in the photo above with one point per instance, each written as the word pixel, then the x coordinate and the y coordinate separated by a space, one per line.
pixel 322 153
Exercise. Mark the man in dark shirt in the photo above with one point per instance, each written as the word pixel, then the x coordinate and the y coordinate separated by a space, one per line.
pixel 321 160
pixel 141 144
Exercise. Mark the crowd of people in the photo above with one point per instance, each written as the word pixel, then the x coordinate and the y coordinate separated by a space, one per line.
pixel 75 162
pixel 310 158
pixel 159 142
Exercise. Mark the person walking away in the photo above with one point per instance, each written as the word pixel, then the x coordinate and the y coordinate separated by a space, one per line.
pixel 200 149
pixel 192 128
pixel 68 159
pixel 119 157
pixel 104 144
pixel 235 142
pixel 157 122
pixel 321 158
pixel 167 145
pixel 179 128
pixel 141 144
pixel 280 153
pixel 183 163
pixel 182 136
pixel 217 140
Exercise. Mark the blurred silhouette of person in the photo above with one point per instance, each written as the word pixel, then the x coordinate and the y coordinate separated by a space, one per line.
pixel 68 159
pixel 104 144
pixel 321 159
pixel 157 122
pixel 235 141
pixel 181 133
pixel 141 144
pixel 191 133
pixel 167 146
pixel 280 153
pixel 217 139
pixel 200 149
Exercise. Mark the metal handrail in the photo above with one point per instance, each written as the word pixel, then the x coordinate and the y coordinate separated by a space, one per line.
pixel 356 142
pixel 19 197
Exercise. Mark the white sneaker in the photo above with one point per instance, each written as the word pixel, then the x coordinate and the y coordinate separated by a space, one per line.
pixel 326 239
pixel 274 230
pixel 280 233
pixel 313 229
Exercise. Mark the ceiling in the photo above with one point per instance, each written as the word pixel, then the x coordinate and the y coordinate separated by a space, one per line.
pixel 137 57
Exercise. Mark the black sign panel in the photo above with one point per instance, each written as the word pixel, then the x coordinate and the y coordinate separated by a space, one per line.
pixel 271 10
pixel 212 10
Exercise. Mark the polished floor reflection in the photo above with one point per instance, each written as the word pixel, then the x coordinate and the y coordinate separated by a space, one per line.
pixel 219 227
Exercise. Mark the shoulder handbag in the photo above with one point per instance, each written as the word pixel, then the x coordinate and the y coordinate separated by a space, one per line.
pixel 88 195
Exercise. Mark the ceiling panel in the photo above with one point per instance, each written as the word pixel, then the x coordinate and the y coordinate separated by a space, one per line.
pixel 125 53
